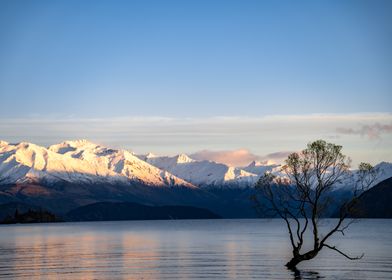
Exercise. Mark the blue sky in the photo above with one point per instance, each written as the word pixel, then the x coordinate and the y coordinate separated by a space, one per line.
pixel 84 60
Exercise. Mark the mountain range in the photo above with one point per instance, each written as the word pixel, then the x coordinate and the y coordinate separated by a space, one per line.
pixel 203 173
pixel 82 161
pixel 72 174
pixel 77 162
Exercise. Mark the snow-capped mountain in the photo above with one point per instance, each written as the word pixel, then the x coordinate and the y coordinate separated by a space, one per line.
pixel 77 162
pixel 203 173
pixel 119 161
pixel 82 161
pixel 76 173
pixel 259 168
pixel 27 163
pixel 385 171
pixel 350 182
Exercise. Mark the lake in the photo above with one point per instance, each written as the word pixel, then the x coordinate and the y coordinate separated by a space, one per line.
pixel 185 249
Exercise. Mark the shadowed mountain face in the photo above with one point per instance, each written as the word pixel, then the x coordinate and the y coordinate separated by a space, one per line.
pixel 109 211
pixel 9 209
pixel 228 203
pixel 16 212
pixel 376 202
pixel 61 198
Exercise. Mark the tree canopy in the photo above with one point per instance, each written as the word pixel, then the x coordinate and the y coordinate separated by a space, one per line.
pixel 313 174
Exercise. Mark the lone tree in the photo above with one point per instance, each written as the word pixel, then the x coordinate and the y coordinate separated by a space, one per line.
pixel 313 174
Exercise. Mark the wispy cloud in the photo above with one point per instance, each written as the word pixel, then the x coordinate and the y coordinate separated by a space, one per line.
pixel 371 131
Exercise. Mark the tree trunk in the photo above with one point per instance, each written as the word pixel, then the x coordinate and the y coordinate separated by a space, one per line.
pixel 297 258
pixel 292 264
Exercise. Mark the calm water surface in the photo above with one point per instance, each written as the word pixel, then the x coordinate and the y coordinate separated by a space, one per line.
pixel 207 249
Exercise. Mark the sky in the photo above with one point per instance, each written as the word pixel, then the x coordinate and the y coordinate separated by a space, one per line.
pixel 235 80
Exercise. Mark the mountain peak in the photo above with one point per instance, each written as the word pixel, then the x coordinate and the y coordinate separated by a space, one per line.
pixel 79 143
pixel 27 145
pixel 3 143
pixel 384 163
pixel 183 158
pixel 254 163
pixel 261 163
pixel 150 155
pixel 72 145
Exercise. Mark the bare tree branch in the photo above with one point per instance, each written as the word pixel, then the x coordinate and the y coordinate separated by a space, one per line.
pixel 344 254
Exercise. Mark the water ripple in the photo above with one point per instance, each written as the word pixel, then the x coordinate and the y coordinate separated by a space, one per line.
pixel 233 249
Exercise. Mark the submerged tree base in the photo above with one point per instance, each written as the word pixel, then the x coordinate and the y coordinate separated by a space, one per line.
pixel 292 264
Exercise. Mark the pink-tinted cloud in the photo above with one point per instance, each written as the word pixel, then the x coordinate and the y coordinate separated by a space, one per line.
pixel 373 131
pixel 239 157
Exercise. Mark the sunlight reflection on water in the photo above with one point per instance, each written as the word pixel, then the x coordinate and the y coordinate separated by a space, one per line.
pixel 209 249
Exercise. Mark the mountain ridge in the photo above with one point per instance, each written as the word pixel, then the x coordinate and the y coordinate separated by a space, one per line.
pixel 71 174
pixel 78 162
pixel 111 211
pixel 204 173
pixel 82 161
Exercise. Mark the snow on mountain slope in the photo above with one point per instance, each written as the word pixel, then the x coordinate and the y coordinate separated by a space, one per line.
pixel 28 163
pixel 85 162
pixel 260 168
pixel 120 162
pixel 349 181
pixel 203 173
pixel 385 171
